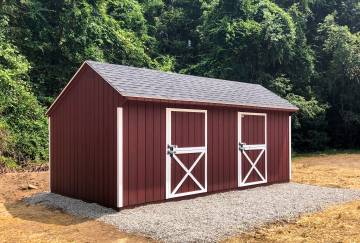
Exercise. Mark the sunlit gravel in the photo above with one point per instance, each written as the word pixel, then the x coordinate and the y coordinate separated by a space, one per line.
pixel 209 218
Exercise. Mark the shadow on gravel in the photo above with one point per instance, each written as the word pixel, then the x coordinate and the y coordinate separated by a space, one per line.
pixel 75 207
pixel 41 214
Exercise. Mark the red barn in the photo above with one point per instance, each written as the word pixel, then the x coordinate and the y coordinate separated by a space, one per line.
pixel 123 136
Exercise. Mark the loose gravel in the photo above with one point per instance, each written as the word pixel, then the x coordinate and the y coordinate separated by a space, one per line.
pixel 209 218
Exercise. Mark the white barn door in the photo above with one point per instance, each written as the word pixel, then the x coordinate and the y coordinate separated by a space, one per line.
pixel 186 152
pixel 252 151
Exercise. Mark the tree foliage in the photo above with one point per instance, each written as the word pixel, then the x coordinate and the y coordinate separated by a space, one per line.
pixel 245 40
pixel 306 51
pixel 60 35
pixel 339 80
pixel 23 126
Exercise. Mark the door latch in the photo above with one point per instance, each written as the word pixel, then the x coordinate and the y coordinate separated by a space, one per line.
pixel 171 149
pixel 242 146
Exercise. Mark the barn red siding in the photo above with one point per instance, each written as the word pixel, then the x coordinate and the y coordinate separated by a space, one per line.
pixel 83 145
pixel 144 153
pixel 83 140
pixel 145 149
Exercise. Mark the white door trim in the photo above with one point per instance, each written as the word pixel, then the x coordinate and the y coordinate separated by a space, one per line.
pixel 184 150
pixel 49 147
pixel 119 149
pixel 290 160
pixel 242 181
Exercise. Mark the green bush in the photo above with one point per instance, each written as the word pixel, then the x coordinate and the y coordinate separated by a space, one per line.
pixel 8 162
pixel 23 125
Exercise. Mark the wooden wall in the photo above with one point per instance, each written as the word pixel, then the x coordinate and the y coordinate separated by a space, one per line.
pixel 83 140
pixel 145 149
pixel 83 144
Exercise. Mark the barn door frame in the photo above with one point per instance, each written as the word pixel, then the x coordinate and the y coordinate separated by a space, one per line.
pixel 263 147
pixel 184 150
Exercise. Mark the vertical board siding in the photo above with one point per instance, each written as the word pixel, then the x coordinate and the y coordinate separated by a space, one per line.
pixel 83 140
pixel 83 145
pixel 145 149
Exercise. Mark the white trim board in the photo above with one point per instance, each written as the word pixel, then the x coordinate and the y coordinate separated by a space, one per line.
pixel 49 147
pixel 120 186
pixel 263 147
pixel 290 160
pixel 201 150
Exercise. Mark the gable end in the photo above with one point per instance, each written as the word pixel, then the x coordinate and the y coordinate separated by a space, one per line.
pixel 84 70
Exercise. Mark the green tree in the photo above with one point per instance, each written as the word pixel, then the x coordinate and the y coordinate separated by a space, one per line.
pixel 307 51
pixel 23 125
pixel 57 36
pixel 339 80
pixel 104 32
pixel 257 41
pixel 173 24
pixel 309 122
pixel 245 40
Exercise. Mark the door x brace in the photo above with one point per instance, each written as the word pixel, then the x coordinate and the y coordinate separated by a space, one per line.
pixel 253 165
pixel 188 172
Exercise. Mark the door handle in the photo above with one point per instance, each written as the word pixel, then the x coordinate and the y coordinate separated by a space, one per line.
pixel 171 149
pixel 242 146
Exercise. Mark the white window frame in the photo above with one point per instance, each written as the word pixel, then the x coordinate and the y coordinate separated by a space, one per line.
pixel 184 150
pixel 119 137
pixel 242 181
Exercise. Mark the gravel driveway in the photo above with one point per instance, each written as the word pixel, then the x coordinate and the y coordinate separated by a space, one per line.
pixel 208 218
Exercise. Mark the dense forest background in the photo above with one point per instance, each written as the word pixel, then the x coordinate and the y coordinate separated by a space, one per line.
pixel 307 51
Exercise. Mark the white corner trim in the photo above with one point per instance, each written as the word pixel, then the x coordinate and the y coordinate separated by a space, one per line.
pixel 168 158
pixel 119 150
pixel 239 159
pixel 290 160
pixel 49 147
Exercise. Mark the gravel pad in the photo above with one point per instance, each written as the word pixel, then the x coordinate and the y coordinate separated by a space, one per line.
pixel 209 218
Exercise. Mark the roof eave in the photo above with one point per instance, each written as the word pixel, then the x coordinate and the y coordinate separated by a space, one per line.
pixel 209 103
pixel 169 100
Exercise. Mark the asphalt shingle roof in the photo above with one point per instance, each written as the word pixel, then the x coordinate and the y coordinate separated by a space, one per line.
pixel 153 84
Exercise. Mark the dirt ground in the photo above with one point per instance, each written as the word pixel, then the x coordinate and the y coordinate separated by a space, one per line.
pixel 341 223
pixel 22 223
pixel 340 170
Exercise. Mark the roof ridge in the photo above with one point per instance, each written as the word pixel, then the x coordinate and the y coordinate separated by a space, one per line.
pixel 171 73
pixel 154 84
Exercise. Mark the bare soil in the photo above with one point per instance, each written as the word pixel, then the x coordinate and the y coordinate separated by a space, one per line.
pixel 23 223
pixel 339 223
pixel 340 170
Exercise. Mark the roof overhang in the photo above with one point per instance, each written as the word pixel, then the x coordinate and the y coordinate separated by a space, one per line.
pixel 207 103
pixel 170 100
